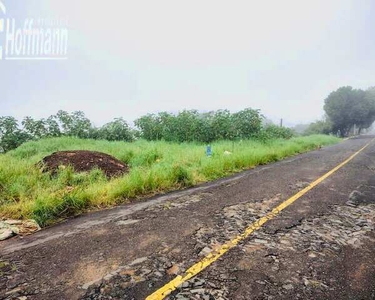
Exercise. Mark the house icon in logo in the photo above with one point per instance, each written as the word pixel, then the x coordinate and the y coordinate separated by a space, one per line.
pixel 2 22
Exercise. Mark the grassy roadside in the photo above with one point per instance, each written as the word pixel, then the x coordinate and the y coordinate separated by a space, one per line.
pixel 156 167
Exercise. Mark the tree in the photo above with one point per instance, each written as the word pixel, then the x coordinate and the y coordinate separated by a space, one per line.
pixel 165 126
pixel 347 107
pixel 53 128
pixel 74 124
pixel 369 107
pixel 187 127
pixel 10 135
pixel 221 123
pixel 117 130
pixel 319 127
pixel 36 129
pixel 150 126
pixel 247 123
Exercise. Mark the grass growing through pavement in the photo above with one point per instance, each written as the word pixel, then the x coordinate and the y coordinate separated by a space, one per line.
pixel 156 167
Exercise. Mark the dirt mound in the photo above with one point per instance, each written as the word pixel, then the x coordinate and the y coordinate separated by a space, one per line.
pixel 83 161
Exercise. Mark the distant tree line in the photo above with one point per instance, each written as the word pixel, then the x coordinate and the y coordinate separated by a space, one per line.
pixel 346 110
pixel 185 126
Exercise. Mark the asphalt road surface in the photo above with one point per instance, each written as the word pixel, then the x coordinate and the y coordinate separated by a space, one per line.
pixel 322 246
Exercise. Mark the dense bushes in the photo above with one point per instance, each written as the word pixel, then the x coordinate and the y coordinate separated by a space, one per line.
pixel 185 126
pixel 117 130
pixel 188 126
pixel 276 132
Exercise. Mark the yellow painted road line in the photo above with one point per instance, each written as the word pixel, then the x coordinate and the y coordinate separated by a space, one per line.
pixel 215 255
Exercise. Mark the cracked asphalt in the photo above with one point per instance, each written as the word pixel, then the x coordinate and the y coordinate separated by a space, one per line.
pixel 320 247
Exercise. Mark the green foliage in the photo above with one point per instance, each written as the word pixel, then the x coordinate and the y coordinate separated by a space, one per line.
pixel 347 107
pixel 182 176
pixel 74 124
pixel 319 127
pixel 35 128
pixel 10 135
pixel 156 167
pixel 147 158
pixel 369 105
pixel 151 127
pixel 53 128
pixel 190 125
pixel 117 130
pixel 63 123
pixel 271 131
pixel 247 123
pixel 48 208
pixel 222 125
pixel 185 126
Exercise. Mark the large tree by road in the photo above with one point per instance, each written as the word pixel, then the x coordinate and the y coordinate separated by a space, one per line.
pixel 348 107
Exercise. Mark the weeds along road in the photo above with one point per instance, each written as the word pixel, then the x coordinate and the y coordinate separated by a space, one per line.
pixel 319 247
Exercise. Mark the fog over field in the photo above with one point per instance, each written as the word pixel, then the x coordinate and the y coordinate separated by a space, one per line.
pixel 128 58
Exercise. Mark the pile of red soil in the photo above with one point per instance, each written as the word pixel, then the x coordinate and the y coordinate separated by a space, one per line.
pixel 84 161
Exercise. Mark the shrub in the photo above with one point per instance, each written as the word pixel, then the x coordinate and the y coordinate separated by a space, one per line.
pixel 276 132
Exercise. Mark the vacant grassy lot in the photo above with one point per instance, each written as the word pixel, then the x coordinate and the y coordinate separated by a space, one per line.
pixel 156 167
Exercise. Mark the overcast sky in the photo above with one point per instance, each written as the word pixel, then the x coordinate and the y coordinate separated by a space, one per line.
pixel 129 58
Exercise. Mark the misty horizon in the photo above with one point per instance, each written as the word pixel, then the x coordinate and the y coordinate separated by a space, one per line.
pixel 128 59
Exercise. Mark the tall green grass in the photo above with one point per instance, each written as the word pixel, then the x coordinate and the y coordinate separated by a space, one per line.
pixel 156 167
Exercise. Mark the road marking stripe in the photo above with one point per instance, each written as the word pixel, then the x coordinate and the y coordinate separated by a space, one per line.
pixel 215 255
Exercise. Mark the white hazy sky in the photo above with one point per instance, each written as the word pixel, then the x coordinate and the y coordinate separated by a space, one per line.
pixel 129 58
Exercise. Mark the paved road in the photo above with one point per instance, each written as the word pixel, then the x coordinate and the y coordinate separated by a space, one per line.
pixel 320 247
